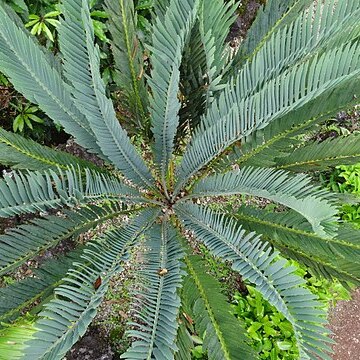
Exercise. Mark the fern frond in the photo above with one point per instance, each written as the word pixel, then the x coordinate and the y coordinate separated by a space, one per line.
pixel 331 258
pixel 295 192
pixel 66 317
pixel 128 57
pixel 21 153
pixel 256 261
pixel 318 156
pixel 28 68
pixel 168 39
pixel 17 296
pixel 29 240
pixel 82 69
pixel 225 338
pixel 39 191
pixel 53 59
pixel 159 302
pixel 287 98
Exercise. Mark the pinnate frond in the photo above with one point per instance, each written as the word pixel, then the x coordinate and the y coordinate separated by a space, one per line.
pixel 320 28
pixel 317 28
pixel 265 146
pixel 29 240
pixel 21 153
pixel 204 58
pixel 128 58
pixel 29 70
pixel 184 343
pixel 168 39
pixel 224 337
pixel 40 191
pixel 66 317
pixel 17 296
pixel 293 191
pixel 288 232
pixel 316 156
pixel 257 262
pixel 156 325
pixel 271 17
pixel 234 117
pixel 82 69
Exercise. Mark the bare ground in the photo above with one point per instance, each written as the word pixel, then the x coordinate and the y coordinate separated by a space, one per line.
pixel 345 324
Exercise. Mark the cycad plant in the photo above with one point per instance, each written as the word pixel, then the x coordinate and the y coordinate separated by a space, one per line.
pixel 219 121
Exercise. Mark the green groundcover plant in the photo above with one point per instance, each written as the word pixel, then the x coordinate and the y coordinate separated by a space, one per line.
pixel 217 121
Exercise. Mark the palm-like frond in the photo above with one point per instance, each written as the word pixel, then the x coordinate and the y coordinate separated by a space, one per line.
pixel 321 155
pixel 192 82
pixel 159 302
pixel 168 41
pixel 251 151
pixel 29 240
pixel 264 147
pixel 328 31
pixel 65 318
pixel 300 63
pixel 270 18
pixel 128 58
pixel 184 343
pixel 160 7
pixel 225 338
pixel 215 19
pixel 284 51
pixel 283 98
pixel 319 29
pixel 40 191
pixel 256 261
pixel 295 192
pixel 81 65
pixel 53 59
pixel 337 257
pixel 21 153
pixel 204 59
pixel 17 296
pixel 28 67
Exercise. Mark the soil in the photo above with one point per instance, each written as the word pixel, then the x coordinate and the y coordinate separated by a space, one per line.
pixel 93 346
pixel 73 148
pixel 345 324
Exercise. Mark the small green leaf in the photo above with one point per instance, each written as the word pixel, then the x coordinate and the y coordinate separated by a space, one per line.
pixel 48 32
pixel 284 345
pixel 99 14
pixel 53 22
pixel 31 23
pixel 35 28
pixel 52 14
pixel 28 122
pixel 35 118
